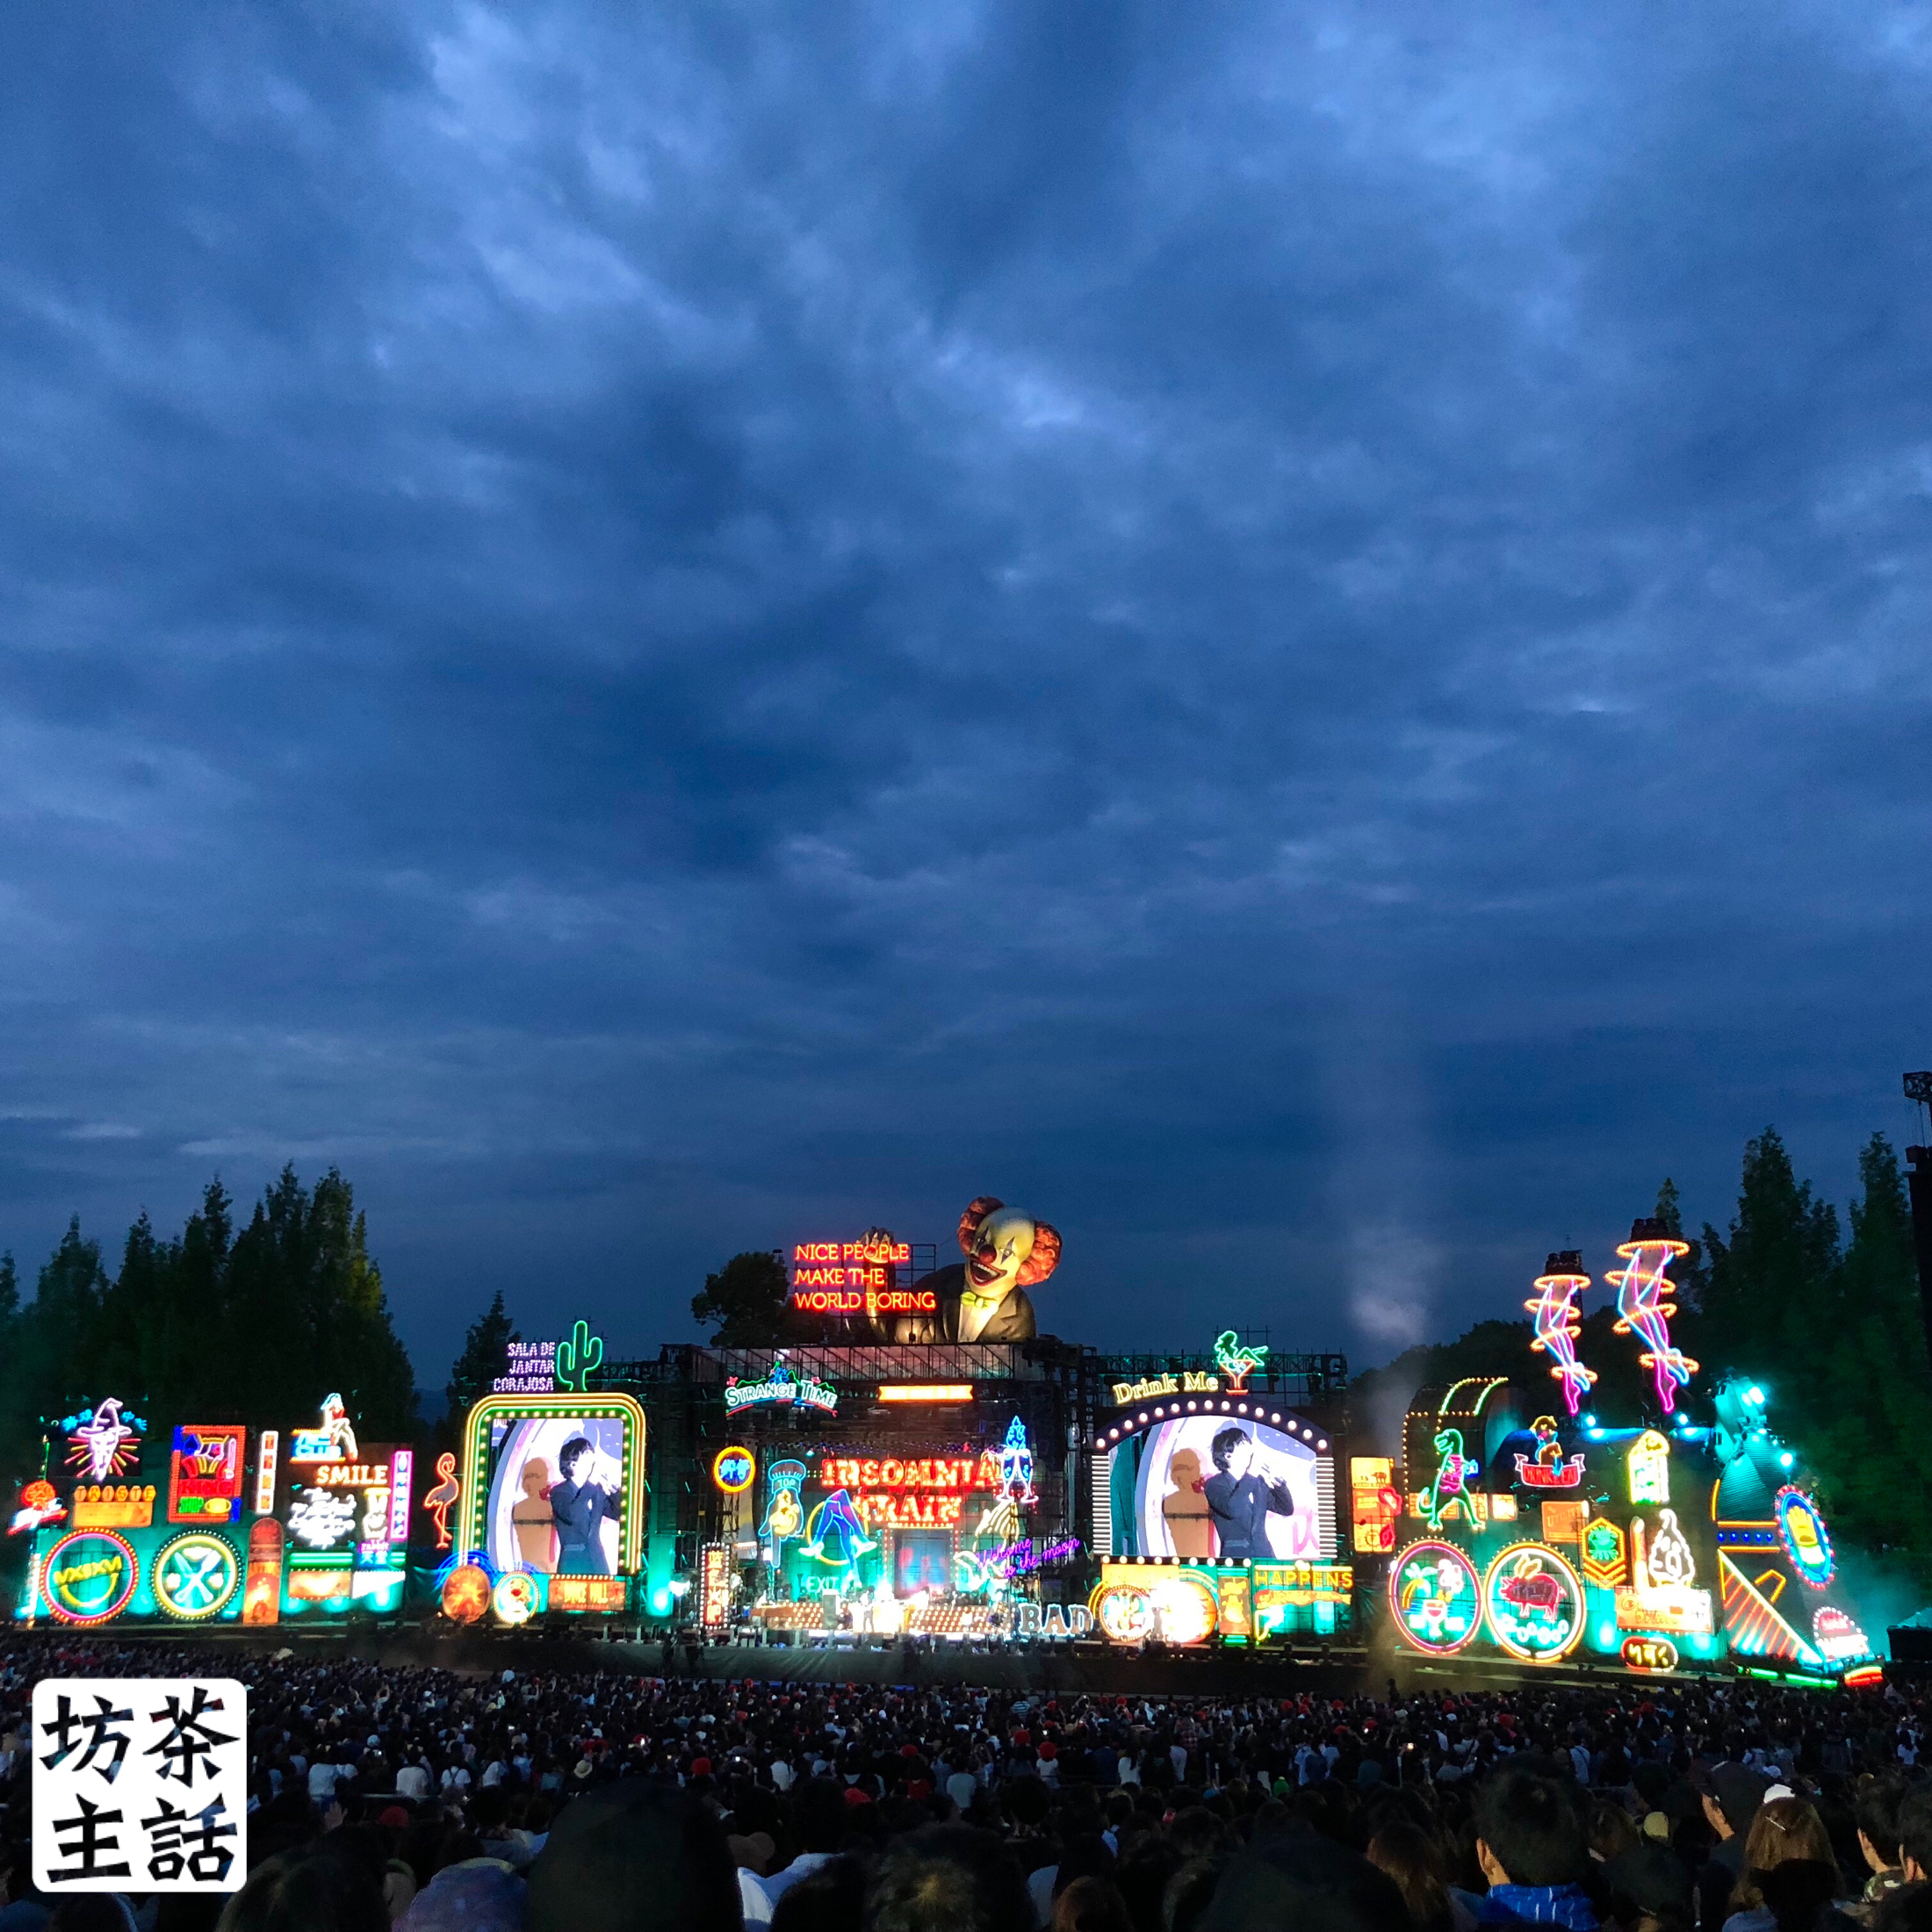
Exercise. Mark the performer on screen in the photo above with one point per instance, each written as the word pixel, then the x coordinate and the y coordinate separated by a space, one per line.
pixel 581 1508
pixel 1246 1490
pixel 1185 1510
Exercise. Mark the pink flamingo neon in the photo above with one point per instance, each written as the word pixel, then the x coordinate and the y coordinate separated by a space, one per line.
pixel 1557 1326
pixel 1640 1305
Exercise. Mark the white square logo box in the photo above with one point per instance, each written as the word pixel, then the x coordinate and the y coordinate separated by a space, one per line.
pixel 140 1784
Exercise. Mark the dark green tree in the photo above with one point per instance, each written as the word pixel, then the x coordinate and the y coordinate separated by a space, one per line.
pixel 1765 1303
pixel 307 1313
pixel 485 1350
pixel 62 1330
pixel 19 1432
pixel 747 1300
pixel 1869 1388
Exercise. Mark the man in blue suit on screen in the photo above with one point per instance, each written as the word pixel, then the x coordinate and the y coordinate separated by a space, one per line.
pixel 1244 1491
pixel 582 1508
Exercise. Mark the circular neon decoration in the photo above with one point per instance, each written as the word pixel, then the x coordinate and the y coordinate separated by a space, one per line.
pixel 734 1469
pixel 1435 1597
pixel 1123 1613
pixel 1532 1602
pixel 1185 1611
pixel 514 1597
pixel 196 1575
pixel 89 1576
pixel 1801 1530
pixel 466 1594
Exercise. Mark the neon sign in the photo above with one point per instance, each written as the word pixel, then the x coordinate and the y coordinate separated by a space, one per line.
pixel 836 1519
pixel 1454 1476
pixel 956 1472
pixel 90 1575
pixel 587 1593
pixel 784 1511
pixel 334 1441
pixel 1801 1530
pixel 1647 1465
pixel 39 1504
pixel 1193 1381
pixel 1534 1602
pixel 1016 1467
pixel 1606 1557
pixel 781 1389
pixel 1649 1654
pixel 205 1473
pixel 1546 1468
pixel 1017 1558
pixel 1662 1573
pixel 1557 1326
pixel 113 1505
pixel 104 1441
pixel 1837 1638
pixel 1237 1360
pixel 847 1264
pixel 734 1469
pixel 714 1588
pixel 196 1575
pixel 513 1596
pixel 1377 1505
pixel 1641 1288
pixel 530 1370
pixel 578 1359
pixel 402 1470
pixel 1434 1596
pixel 855 1278
pixel 443 1497
pixel 265 1471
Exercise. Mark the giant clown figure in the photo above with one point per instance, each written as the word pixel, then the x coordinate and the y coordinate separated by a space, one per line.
pixel 984 1299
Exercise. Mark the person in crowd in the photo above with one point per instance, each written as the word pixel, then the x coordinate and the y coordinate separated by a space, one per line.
pixel 1413 1858
pixel 948 1878
pixel 1533 1851
pixel 1877 1820
pixel 1785 1830
pixel 1731 1794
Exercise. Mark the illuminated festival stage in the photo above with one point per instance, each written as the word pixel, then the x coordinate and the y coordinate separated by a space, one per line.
pixel 927 1466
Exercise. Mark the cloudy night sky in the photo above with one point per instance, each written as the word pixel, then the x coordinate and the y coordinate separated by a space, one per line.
pixel 1294 638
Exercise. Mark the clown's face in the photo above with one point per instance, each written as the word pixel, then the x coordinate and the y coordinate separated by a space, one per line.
pixel 1000 1247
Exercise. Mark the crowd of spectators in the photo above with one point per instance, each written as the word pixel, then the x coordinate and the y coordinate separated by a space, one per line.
pixel 558 1802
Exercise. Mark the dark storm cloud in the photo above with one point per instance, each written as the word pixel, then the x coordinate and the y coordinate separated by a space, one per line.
pixel 1292 635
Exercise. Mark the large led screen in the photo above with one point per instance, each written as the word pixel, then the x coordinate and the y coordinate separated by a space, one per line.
pixel 1212 1488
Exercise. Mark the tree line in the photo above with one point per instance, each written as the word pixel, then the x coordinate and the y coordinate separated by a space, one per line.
pixel 253 1323
pixel 1826 1315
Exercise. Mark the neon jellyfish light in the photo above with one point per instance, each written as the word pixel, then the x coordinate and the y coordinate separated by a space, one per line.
pixel 1641 1306
pixel 1557 1327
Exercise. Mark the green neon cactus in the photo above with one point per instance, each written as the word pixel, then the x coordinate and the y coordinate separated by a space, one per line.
pixel 579 1357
